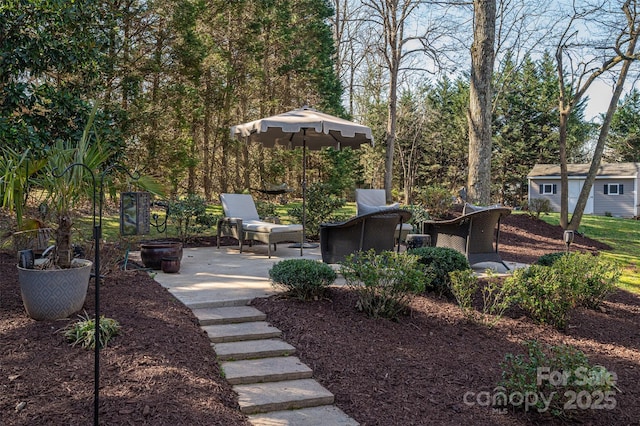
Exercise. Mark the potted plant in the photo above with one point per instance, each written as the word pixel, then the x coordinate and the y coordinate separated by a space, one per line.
pixel 57 287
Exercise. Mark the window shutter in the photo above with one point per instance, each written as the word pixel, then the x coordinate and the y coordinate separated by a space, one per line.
pixel 540 188
pixel 621 189
pixel 606 189
pixel 555 189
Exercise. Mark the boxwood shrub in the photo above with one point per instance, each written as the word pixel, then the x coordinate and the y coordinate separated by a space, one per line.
pixel 437 263
pixel 304 279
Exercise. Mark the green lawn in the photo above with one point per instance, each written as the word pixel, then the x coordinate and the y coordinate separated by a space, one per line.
pixel 623 235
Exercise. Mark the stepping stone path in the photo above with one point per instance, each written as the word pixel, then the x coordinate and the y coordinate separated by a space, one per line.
pixel 273 386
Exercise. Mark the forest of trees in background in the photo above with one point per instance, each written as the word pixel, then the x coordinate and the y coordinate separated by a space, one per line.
pixel 172 76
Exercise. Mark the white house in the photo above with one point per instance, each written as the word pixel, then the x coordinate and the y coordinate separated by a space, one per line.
pixel 614 191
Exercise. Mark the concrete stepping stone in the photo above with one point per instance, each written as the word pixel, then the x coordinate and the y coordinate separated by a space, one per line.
pixel 248 349
pixel 285 395
pixel 265 370
pixel 241 331
pixel 228 315
pixel 326 415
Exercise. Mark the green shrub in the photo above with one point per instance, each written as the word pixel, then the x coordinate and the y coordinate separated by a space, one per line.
pixel 190 216
pixel 496 298
pixel 549 258
pixel 538 206
pixel 83 332
pixel 304 279
pixel 436 199
pixel 321 205
pixel 464 285
pixel 575 279
pixel 419 215
pixel 544 292
pixel 558 380
pixel 596 277
pixel 437 263
pixel 385 283
pixel 266 209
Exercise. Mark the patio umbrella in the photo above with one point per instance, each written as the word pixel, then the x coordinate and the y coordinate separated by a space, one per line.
pixel 307 128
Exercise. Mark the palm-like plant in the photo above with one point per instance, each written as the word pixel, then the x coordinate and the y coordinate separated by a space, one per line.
pixel 66 186
pixel 15 170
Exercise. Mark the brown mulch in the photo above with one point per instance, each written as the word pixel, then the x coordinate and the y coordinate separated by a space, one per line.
pixel 162 370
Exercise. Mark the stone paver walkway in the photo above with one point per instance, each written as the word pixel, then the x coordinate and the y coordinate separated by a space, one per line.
pixel 274 387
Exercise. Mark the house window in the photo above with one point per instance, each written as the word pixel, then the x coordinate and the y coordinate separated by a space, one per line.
pixel 548 188
pixel 613 189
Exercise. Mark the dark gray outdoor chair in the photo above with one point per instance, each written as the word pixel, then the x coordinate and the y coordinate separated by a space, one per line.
pixel 369 231
pixel 474 234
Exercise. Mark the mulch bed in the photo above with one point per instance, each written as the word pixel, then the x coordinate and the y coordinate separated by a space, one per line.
pixel 162 370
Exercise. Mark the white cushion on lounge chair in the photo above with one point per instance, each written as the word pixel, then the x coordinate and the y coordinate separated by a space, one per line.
pixel 240 206
pixel 260 226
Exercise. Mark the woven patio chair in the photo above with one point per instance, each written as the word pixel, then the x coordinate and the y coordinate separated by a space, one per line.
pixel 474 234
pixel 370 200
pixel 375 230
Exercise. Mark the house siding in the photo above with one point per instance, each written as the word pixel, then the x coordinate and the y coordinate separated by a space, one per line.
pixel 554 199
pixel 617 205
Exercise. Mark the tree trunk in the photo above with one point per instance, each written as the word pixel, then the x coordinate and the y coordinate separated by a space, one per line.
pixel 64 251
pixel 576 217
pixel 564 178
pixel 482 58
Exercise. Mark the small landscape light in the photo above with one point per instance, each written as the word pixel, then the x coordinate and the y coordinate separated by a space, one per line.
pixel 568 238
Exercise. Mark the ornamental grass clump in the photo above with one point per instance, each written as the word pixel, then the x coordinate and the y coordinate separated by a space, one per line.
pixel 385 283
pixel 83 332
pixel 304 279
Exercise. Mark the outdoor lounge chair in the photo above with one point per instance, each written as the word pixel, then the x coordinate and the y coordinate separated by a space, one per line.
pixel 241 221
pixel 375 230
pixel 370 200
pixel 474 234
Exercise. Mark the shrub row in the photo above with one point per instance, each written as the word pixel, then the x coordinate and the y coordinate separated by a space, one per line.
pixel 548 293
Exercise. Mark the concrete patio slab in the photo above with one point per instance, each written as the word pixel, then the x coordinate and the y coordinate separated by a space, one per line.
pixel 211 277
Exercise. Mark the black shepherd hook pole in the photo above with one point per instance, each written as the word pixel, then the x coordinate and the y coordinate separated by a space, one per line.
pixel 97 236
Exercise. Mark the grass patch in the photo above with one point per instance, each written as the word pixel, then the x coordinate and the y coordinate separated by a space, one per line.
pixel 622 235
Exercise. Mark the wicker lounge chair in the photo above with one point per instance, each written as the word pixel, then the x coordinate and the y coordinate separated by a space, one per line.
pixel 242 222
pixel 370 231
pixel 473 234
pixel 370 200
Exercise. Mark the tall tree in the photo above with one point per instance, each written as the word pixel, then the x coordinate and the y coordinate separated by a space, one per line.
pixel 624 138
pixel 525 126
pixel 52 65
pixel 577 73
pixel 480 101
pixel 391 18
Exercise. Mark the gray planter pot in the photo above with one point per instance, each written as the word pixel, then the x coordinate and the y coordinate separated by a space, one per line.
pixel 56 293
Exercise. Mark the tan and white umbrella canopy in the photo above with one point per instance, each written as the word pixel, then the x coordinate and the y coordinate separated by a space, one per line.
pixel 304 127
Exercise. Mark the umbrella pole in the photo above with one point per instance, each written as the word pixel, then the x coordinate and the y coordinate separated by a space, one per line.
pixel 304 188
